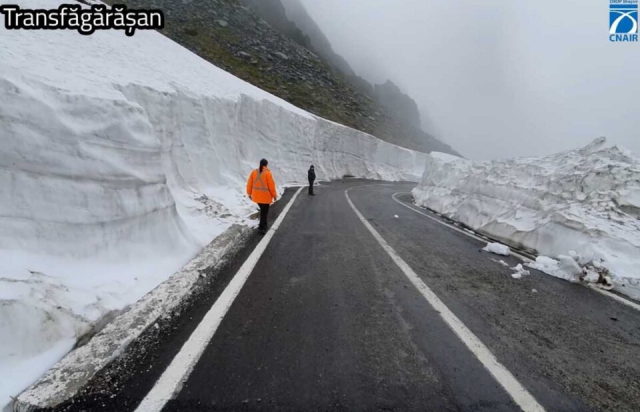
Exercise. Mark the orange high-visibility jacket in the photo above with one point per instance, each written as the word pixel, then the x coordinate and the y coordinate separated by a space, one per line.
pixel 261 187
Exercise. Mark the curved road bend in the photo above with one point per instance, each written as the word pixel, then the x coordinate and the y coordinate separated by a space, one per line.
pixel 329 321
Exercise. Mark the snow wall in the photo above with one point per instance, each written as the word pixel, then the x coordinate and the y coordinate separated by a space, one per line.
pixel 585 201
pixel 120 158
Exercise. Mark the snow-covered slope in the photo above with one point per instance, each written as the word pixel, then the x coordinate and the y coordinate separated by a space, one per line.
pixel 582 204
pixel 120 158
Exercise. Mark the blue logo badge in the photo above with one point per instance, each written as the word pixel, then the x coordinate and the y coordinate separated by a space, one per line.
pixel 623 20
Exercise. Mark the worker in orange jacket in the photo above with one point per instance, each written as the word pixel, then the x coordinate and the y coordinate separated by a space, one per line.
pixel 262 189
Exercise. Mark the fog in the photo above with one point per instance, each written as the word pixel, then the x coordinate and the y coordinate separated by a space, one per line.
pixel 495 78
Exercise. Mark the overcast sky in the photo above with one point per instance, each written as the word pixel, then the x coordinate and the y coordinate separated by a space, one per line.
pixel 497 78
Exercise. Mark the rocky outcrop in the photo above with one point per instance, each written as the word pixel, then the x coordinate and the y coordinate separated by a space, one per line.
pixel 273 12
pixel 319 42
pixel 397 103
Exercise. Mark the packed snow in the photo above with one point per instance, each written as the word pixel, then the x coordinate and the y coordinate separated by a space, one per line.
pixel 497 248
pixel 564 267
pixel 520 271
pixel 121 158
pixel 575 269
pixel 579 209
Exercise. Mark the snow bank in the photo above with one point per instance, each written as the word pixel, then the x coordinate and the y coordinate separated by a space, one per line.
pixel 120 158
pixel 581 205
pixel 565 267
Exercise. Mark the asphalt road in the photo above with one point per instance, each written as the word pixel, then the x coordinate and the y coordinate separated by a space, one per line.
pixel 328 321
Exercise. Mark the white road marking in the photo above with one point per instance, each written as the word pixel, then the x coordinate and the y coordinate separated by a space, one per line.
pixel 464 232
pixel 518 255
pixel 182 365
pixel 616 297
pixel 511 385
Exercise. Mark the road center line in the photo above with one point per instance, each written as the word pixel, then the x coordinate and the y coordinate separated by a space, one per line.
pixel 518 255
pixel 511 385
pixel 183 363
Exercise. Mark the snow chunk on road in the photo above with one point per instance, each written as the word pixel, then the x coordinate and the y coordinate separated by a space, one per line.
pixel 574 269
pixel 585 200
pixel 565 267
pixel 556 268
pixel 498 249
pixel 520 271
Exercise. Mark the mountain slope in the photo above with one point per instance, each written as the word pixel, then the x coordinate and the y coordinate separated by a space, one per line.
pixel 318 41
pixel 233 37
pixel 404 123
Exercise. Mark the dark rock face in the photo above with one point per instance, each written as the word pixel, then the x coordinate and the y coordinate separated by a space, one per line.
pixel 273 56
pixel 399 104
pixel 297 13
pixel 273 12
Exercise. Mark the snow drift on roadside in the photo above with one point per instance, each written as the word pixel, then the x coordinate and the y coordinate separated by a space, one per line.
pixel 497 248
pixel 120 159
pixel 582 203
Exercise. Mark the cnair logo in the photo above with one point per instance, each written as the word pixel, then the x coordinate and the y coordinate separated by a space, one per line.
pixel 623 20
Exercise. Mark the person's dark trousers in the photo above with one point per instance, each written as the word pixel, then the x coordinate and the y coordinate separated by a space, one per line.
pixel 264 211
pixel 311 188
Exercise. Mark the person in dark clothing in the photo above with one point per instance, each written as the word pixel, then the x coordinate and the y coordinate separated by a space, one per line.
pixel 312 178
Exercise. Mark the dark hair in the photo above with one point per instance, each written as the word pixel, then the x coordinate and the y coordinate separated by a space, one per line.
pixel 263 163
pixel 311 166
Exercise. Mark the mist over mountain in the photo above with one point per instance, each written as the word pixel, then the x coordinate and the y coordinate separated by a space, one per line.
pixel 388 94
pixel 297 13
pixel 525 78
pixel 273 12
pixel 399 104
pixel 402 108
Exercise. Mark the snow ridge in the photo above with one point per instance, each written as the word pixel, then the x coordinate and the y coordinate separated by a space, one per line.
pixel 584 203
